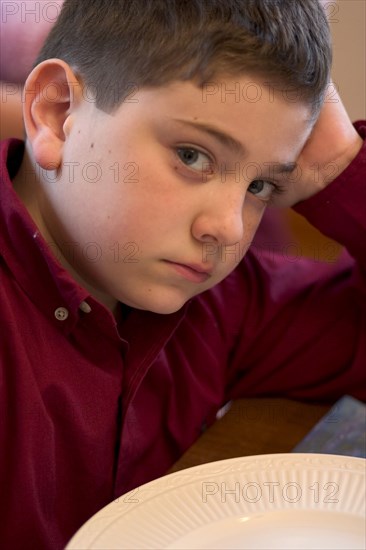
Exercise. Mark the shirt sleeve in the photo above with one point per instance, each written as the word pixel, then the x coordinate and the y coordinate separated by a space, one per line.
pixel 303 331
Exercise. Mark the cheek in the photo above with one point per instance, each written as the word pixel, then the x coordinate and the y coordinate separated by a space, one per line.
pixel 252 215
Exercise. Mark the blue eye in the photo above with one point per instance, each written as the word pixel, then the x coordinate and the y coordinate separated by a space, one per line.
pixel 195 159
pixel 188 156
pixel 262 189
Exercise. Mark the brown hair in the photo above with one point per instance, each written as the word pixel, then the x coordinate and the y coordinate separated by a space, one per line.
pixel 112 44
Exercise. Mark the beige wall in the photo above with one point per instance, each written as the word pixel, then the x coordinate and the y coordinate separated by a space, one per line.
pixel 348 23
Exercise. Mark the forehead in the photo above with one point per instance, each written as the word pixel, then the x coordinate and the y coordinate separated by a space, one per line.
pixel 245 114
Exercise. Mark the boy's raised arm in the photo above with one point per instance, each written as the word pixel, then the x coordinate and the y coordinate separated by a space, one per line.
pixel 333 144
pixel 304 336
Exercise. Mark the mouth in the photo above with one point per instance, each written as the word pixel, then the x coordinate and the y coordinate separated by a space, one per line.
pixel 192 272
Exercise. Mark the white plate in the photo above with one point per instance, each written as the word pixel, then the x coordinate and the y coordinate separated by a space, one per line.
pixel 283 501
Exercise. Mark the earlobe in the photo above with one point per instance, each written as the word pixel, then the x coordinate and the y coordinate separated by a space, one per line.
pixel 51 93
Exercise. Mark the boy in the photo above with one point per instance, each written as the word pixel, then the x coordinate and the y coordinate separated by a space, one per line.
pixel 128 315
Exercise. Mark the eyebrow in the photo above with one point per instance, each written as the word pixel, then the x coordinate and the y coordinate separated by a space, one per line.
pixel 226 140
pixel 279 168
pixel 235 146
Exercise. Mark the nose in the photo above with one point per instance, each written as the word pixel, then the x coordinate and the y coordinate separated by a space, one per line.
pixel 220 219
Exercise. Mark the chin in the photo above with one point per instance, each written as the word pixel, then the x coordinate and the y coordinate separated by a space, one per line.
pixel 170 309
pixel 164 309
pixel 161 303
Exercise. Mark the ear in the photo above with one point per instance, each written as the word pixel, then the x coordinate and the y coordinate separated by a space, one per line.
pixel 51 93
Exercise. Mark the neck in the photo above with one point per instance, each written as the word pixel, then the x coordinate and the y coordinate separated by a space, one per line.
pixel 28 185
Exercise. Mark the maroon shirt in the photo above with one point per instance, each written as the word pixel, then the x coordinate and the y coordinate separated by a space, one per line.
pixel 90 410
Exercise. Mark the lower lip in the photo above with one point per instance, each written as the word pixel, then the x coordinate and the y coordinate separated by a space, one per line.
pixel 189 273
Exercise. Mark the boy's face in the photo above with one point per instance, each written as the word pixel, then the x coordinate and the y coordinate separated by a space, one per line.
pixel 161 199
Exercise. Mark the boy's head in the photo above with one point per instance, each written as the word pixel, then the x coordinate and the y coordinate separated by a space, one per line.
pixel 155 199
pixel 116 45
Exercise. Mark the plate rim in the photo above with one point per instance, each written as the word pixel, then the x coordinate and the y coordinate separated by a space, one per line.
pixel 127 502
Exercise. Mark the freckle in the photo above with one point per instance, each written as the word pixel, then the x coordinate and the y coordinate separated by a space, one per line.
pixel 79 132
pixel 109 151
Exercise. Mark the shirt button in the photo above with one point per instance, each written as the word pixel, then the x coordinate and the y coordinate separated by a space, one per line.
pixel 84 307
pixel 61 314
